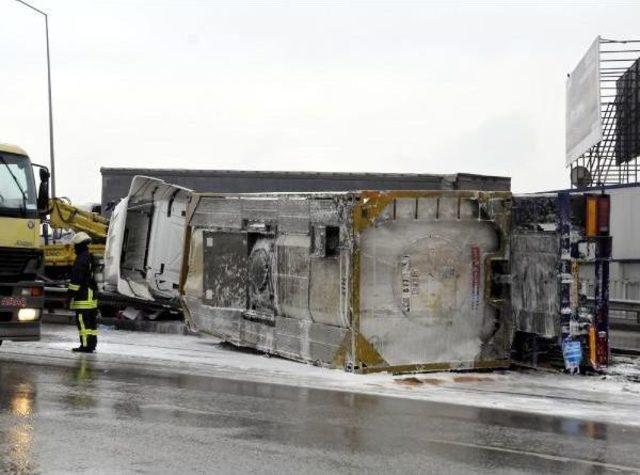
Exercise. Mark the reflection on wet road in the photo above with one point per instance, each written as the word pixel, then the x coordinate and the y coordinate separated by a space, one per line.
pixel 16 439
pixel 82 419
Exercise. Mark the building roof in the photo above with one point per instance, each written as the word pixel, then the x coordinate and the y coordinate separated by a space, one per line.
pixel 267 173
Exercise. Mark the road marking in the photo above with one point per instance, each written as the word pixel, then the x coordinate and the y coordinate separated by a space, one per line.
pixel 555 458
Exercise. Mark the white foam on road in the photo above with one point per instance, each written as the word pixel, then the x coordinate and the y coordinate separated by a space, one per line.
pixel 613 398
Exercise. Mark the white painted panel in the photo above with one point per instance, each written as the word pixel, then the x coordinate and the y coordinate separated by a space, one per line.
pixel 583 121
pixel 113 248
pixel 166 241
pixel 625 222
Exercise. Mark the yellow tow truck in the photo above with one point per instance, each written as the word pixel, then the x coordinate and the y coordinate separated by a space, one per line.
pixel 21 254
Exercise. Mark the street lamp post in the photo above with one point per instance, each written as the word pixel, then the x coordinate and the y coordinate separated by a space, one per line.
pixel 51 154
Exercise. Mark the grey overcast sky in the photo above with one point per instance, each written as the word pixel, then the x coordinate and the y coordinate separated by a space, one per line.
pixel 389 86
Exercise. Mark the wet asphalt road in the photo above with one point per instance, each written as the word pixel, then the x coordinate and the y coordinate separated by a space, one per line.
pixel 80 419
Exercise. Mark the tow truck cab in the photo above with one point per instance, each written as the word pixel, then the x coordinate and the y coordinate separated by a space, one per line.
pixel 21 255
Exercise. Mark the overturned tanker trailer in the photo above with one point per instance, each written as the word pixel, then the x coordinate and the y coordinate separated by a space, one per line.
pixel 368 281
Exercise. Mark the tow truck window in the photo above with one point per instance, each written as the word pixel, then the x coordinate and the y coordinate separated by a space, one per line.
pixel 17 187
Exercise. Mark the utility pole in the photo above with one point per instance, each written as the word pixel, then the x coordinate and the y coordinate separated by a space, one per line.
pixel 51 152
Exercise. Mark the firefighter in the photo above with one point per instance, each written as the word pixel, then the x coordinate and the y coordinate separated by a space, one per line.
pixel 82 288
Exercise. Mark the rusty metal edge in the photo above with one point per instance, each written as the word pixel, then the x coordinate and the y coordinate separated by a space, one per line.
pixel 436 367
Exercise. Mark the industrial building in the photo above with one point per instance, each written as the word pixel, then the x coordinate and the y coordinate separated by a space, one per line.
pixel 117 181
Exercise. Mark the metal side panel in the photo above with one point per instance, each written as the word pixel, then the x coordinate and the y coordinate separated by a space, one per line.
pixel 113 248
pixel 260 285
pixel 307 341
pixel 222 323
pixel 225 270
pixel 291 338
pixel 166 240
pixel 292 275
pixel 534 285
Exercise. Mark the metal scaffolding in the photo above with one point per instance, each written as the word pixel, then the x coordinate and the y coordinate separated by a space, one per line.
pixel 614 160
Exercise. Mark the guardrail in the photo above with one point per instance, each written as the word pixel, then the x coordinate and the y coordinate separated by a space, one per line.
pixel 625 321
pixel 625 306
pixel 625 341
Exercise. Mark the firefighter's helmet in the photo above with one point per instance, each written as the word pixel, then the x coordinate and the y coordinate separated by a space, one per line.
pixel 80 238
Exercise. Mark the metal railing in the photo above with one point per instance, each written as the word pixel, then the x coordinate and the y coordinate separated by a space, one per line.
pixel 624 302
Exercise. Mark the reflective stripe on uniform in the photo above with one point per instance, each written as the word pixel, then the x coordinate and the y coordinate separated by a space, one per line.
pixel 88 332
pixel 83 304
pixel 73 287
pixel 88 304
pixel 83 330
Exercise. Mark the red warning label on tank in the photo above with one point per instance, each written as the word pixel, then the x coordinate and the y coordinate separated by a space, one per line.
pixel 405 274
pixel 475 277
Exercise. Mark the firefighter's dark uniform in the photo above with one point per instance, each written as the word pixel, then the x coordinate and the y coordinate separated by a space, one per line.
pixel 82 289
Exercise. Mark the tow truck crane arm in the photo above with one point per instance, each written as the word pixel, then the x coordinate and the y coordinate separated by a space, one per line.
pixel 59 257
pixel 63 215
